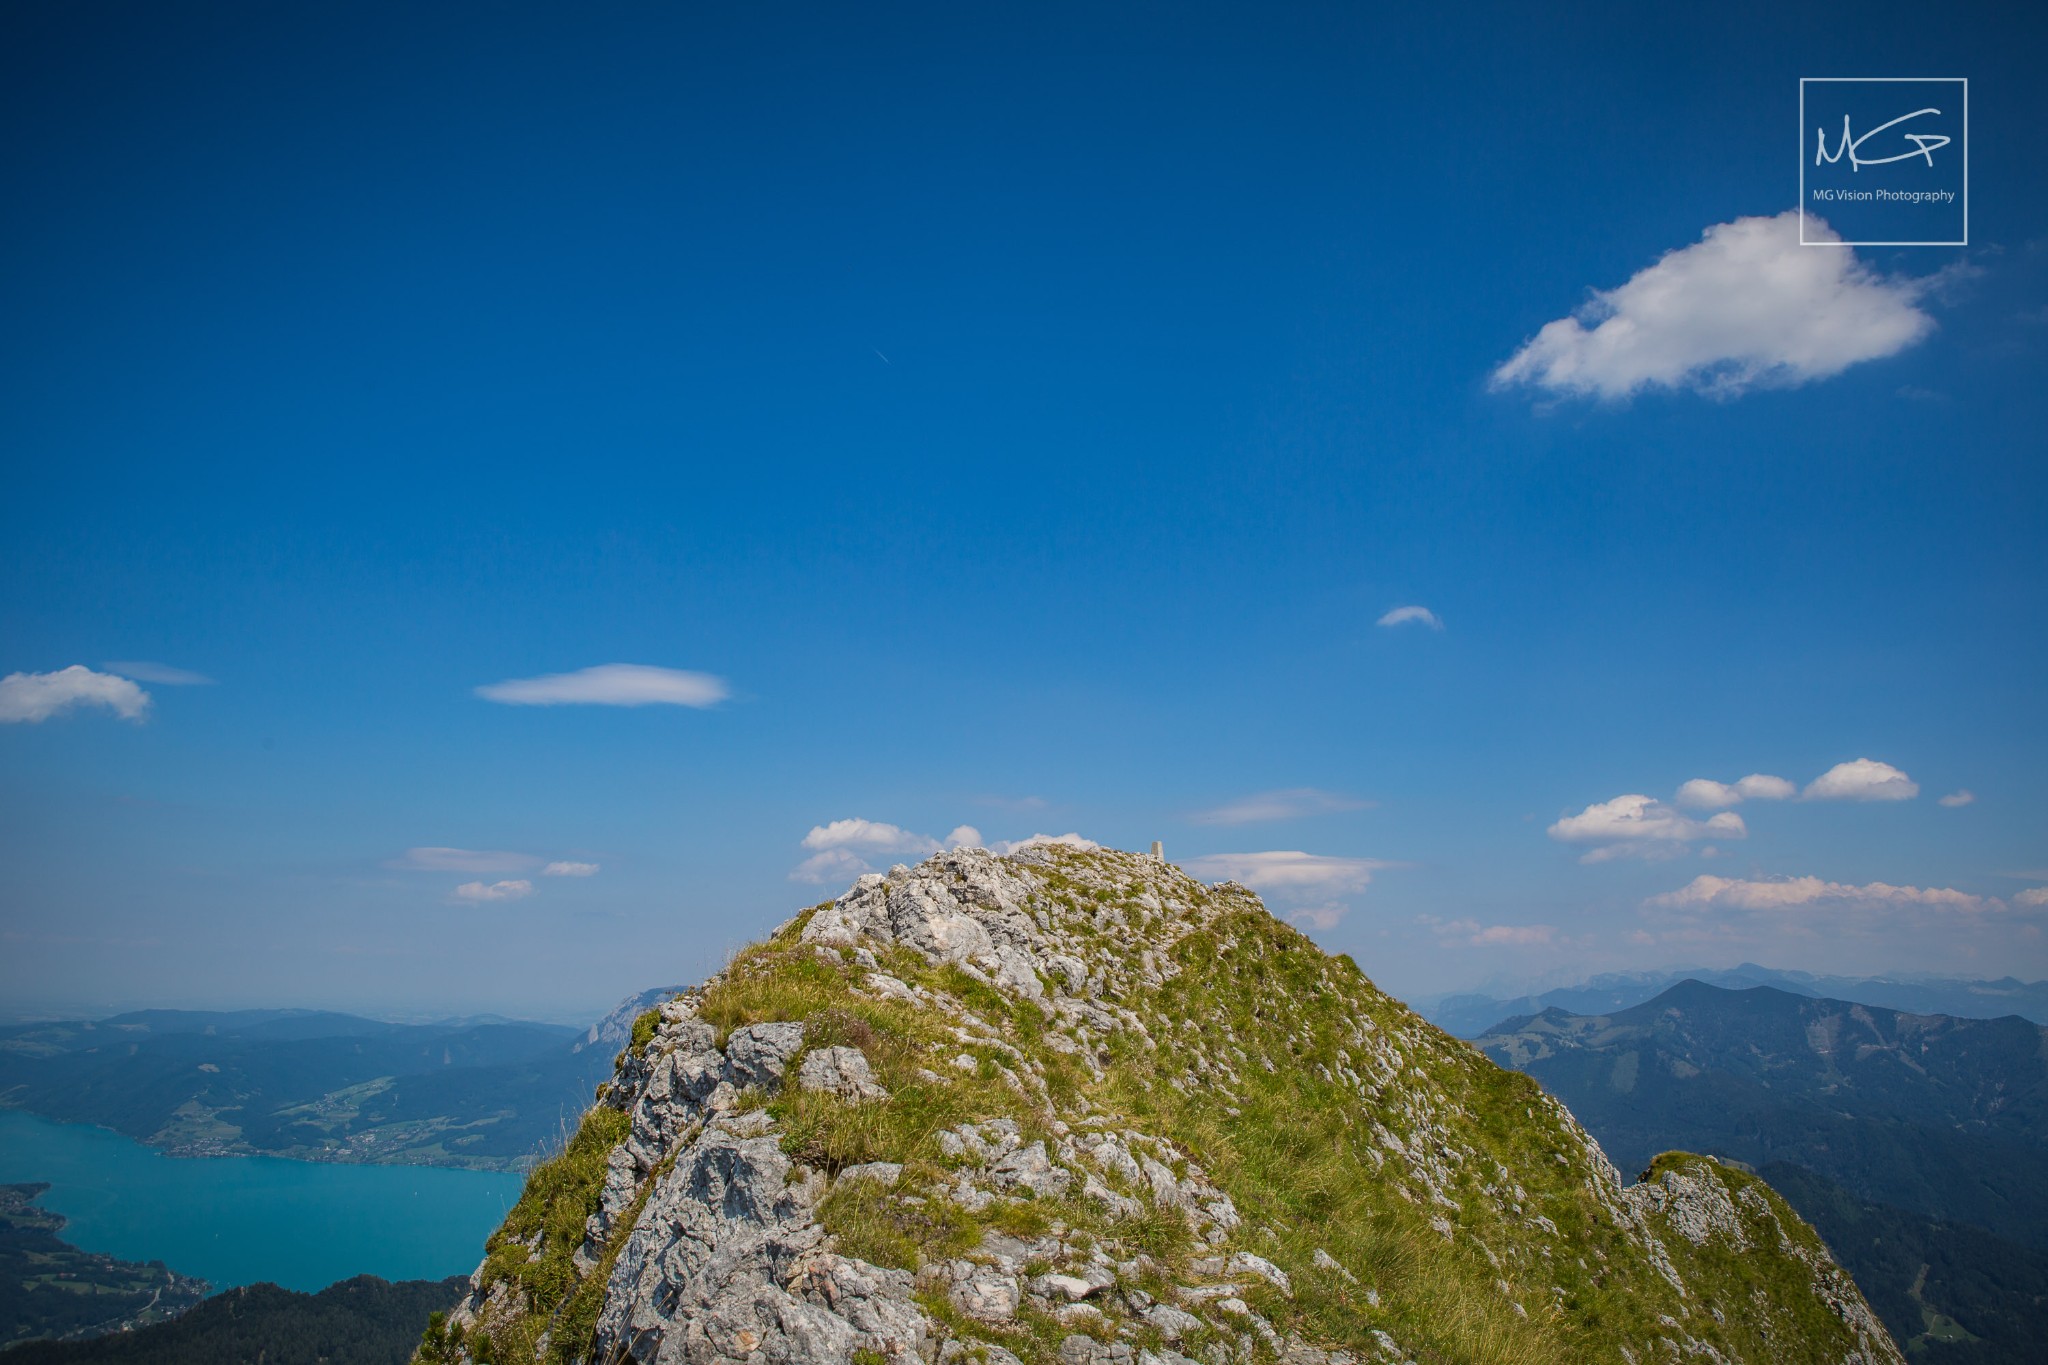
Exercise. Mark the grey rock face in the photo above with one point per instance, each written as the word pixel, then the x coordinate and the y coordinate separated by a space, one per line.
pixel 727 1262
pixel 1031 1169
pixel 758 1053
pixel 841 1071
pixel 1695 1208
pixel 1263 1268
pixel 985 1293
pixel 881 1172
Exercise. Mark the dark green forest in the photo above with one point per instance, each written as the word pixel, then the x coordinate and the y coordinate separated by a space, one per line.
pixel 1951 1294
pixel 363 1321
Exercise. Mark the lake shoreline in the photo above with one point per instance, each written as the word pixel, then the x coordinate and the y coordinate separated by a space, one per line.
pixel 235 1219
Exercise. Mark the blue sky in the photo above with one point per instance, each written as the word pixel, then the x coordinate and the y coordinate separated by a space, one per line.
pixel 1021 420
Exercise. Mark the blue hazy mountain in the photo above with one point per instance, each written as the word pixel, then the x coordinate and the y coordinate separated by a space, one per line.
pixel 1469 1015
pixel 1916 1144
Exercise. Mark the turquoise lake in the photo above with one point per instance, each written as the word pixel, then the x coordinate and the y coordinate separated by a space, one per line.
pixel 238 1220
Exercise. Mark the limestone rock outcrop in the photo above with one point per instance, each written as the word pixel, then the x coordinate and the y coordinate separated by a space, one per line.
pixel 1076 1107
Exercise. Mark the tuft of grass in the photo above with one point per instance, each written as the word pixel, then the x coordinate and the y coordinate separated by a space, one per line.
pixel 534 1249
pixel 643 1029
pixel 875 1225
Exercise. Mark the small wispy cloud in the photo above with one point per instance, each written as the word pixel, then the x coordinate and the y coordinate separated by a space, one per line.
pixel 32 698
pixel 569 869
pixel 1862 779
pixel 1287 804
pixel 1068 840
pixel 2033 897
pixel 1704 793
pixel 833 865
pixel 462 860
pixel 1513 935
pixel 1962 796
pixel 1638 826
pixel 1471 933
pixel 1745 307
pixel 873 836
pixel 1310 886
pixel 144 671
pixel 1708 892
pixel 612 685
pixel 1421 616
pixel 483 893
pixel 838 845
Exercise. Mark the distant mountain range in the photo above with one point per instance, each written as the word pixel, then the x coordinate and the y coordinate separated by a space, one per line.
pixel 1468 1016
pixel 1908 1140
pixel 315 1085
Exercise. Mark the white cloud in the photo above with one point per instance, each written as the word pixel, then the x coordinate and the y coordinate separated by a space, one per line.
pixel 1288 872
pixel 1288 804
pixel 871 835
pixel 1745 306
pixel 1709 893
pixel 1764 787
pixel 479 893
pixel 1637 826
pixel 834 856
pixel 461 860
pixel 1401 616
pixel 611 685
pixel 1309 885
pixel 1962 796
pixel 35 697
pixel 1834 927
pixel 568 869
pixel 1514 935
pixel 145 671
pixel 2032 897
pixel 1471 933
pixel 1863 779
pixel 833 865
pixel 1068 840
pixel 1703 793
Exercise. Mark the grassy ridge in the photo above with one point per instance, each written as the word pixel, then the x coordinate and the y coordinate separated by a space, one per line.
pixel 1449 1202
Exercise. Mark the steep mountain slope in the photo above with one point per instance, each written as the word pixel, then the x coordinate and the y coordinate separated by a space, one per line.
pixel 324 1087
pixel 1943 1117
pixel 1077 1107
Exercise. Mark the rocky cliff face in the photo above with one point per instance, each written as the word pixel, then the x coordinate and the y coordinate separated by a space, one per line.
pixel 1079 1108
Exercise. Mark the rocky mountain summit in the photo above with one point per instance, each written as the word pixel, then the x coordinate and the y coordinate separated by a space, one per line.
pixel 1077 1108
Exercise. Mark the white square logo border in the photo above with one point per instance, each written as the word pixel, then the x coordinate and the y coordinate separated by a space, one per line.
pixel 1805 81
